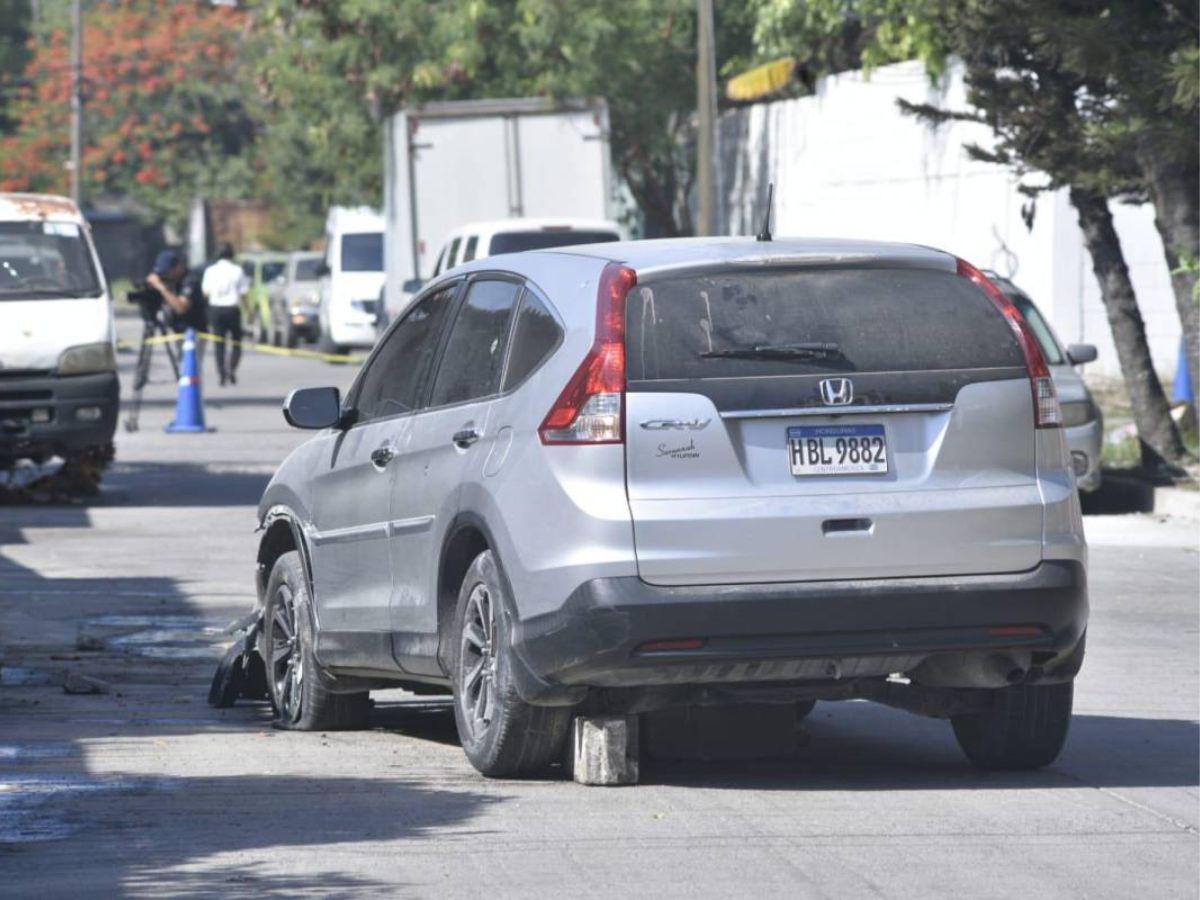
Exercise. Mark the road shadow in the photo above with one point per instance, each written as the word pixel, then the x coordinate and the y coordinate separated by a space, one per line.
pixel 161 484
pixel 423 718
pixel 862 747
pixel 1120 493
pixel 151 484
pixel 149 836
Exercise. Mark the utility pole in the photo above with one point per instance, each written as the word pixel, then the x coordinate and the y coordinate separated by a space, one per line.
pixel 76 100
pixel 706 118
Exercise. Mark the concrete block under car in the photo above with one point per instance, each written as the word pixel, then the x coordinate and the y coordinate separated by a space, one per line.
pixel 605 749
pixel 749 731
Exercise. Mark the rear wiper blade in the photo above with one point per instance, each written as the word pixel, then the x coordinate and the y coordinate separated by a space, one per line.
pixel 808 350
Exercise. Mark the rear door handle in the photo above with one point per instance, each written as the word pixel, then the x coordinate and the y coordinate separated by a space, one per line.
pixel 381 456
pixel 465 438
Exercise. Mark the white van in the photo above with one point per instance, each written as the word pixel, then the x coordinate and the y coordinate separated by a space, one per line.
pixel 352 278
pixel 58 372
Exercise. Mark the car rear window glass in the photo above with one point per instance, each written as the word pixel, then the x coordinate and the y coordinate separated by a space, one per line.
pixel 832 319
pixel 537 334
pixel 474 356
pixel 362 252
pixel 519 241
pixel 308 269
pixel 392 381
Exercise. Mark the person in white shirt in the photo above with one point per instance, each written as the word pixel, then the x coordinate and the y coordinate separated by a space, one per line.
pixel 224 285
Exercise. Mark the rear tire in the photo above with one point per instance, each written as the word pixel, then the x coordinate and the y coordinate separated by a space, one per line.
pixel 1024 728
pixel 502 735
pixel 298 689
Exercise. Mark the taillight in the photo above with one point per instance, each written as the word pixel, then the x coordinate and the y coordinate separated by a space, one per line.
pixel 591 408
pixel 1046 411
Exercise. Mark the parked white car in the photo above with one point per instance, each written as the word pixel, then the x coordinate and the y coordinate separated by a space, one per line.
pixel 351 279
pixel 58 371
pixel 477 240
pixel 1083 423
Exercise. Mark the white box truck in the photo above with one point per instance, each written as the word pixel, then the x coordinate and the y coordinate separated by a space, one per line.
pixel 449 164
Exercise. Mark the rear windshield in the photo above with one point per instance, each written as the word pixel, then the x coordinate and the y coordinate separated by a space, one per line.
pixel 362 252
pixel 308 269
pixel 45 260
pixel 797 322
pixel 519 241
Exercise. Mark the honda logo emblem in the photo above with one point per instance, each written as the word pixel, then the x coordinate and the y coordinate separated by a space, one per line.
pixel 837 391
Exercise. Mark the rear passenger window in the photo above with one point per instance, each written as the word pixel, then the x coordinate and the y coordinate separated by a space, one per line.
pixel 469 250
pixel 536 336
pixel 798 322
pixel 452 257
pixel 470 367
pixel 392 381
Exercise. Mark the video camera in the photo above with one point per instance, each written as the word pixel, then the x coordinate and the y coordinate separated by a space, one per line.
pixel 149 302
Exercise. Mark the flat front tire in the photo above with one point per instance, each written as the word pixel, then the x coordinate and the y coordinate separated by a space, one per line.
pixel 299 690
pixel 1024 727
pixel 503 736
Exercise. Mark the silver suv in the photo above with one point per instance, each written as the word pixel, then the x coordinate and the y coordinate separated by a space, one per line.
pixel 629 476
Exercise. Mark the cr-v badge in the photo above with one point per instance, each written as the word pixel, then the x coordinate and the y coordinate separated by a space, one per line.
pixel 675 424
pixel 837 391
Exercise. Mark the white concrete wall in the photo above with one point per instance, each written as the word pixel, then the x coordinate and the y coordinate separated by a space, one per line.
pixel 847 163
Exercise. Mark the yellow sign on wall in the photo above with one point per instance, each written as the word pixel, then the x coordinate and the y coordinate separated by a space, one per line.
pixel 761 81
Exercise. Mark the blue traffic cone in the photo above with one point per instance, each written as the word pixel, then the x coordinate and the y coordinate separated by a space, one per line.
pixel 189 406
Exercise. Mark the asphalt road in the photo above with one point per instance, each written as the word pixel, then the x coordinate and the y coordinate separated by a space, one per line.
pixel 148 791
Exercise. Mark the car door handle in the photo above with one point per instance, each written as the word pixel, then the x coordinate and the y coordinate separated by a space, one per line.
pixel 381 456
pixel 465 438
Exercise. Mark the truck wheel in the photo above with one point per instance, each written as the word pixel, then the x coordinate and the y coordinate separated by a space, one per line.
pixel 299 690
pixel 1024 728
pixel 503 736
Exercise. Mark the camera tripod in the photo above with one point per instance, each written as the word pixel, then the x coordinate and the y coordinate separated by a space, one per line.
pixel 153 327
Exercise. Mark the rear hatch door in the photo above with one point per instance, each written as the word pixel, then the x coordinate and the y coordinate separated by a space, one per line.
pixel 826 422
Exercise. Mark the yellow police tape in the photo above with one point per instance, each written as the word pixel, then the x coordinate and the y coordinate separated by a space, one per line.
pixel 246 345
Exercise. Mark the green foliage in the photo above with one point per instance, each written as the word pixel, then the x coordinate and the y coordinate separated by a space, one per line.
pixel 333 70
pixel 169 113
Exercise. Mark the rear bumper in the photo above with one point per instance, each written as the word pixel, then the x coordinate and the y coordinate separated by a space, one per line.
pixel 803 631
pixel 64 398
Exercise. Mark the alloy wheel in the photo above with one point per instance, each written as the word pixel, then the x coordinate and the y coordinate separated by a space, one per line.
pixel 287 662
pixel 477 661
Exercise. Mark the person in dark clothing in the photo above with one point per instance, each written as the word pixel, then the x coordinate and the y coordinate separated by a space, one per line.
pixel 224 285
pixel 183 305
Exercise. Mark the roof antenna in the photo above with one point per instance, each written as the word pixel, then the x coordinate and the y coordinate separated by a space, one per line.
pixel 765 234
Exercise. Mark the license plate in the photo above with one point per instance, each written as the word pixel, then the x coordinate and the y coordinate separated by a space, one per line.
pixel 837 450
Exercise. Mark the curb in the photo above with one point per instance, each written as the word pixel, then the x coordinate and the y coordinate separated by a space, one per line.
pixel 1178 502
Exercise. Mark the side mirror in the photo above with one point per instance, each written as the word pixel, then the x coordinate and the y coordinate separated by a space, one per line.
pixel 412 285
pixel 1081 353
pixel 313 408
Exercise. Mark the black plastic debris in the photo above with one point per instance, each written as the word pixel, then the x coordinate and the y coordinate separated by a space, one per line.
pixel 241 674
